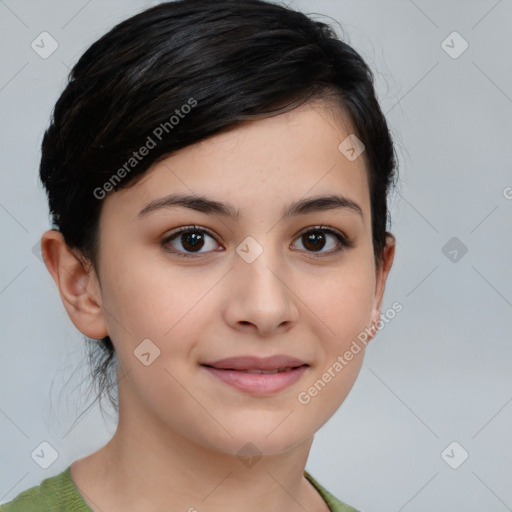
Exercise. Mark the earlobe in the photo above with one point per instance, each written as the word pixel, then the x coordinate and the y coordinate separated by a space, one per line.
pixel 78 286
pixel 388 254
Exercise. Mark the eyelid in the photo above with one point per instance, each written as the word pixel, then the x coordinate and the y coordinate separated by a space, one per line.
pixel 192 227
pixel 327 229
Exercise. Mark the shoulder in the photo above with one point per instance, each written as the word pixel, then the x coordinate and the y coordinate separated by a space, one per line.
pixel 59 494
pixel 334 504
pixel 54 494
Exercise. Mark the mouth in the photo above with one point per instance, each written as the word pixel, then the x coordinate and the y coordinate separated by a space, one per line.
pixel 267 372
pixel 258 376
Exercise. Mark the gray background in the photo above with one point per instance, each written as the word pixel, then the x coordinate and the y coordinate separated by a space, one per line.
pixel 437 373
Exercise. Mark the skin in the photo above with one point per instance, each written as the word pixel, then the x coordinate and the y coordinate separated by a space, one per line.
pixel 179 427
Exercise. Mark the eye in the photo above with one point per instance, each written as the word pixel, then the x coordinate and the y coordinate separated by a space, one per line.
pixel 191 238
pixel 315 239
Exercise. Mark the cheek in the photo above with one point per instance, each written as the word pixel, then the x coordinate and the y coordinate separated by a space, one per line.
pixel 322 396
pixel 342 302
pixel 143 299
pixel 342 312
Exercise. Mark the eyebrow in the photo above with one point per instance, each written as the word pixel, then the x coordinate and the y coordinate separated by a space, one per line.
pixel 206 205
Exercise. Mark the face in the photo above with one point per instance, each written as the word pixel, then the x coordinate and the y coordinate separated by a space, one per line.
pixel 244 282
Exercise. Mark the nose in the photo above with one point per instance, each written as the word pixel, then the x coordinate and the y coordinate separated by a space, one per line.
pixel 260 296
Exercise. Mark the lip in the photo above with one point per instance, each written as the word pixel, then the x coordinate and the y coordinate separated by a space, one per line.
pixel 239 373
pixel 256 363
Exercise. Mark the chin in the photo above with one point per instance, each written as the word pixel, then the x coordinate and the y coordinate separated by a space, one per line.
pixel 249 438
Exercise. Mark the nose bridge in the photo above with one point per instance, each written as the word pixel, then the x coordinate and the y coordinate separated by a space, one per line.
pixel 260 265
pixel 259 288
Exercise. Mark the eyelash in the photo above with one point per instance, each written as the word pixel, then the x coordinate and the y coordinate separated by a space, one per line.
pixel 343 242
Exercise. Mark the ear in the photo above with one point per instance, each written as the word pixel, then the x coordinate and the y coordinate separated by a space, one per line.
pixel 388 254
pixel 78 287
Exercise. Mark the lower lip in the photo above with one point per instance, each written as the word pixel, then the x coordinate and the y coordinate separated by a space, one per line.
pixel 259 383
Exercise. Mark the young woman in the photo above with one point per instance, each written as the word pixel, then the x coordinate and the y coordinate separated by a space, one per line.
pixel 217 176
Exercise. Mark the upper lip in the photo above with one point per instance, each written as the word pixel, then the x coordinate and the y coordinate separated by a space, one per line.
pixel 257 363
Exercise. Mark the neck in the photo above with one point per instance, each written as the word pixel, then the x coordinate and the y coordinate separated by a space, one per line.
pixel 146 466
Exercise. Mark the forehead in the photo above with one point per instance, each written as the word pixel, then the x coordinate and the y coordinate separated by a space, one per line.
pixel 258 164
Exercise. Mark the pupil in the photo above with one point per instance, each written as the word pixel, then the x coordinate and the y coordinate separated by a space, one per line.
pixel 316 239
pixel 196 243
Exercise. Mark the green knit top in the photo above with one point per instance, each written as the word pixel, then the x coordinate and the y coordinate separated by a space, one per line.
pixel 59 494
